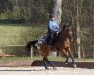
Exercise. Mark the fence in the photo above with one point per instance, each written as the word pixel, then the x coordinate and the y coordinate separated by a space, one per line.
pixel 87 51
pixel 21 50
pixel 17 50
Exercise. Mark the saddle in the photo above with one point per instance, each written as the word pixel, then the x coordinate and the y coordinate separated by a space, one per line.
pixel 47 40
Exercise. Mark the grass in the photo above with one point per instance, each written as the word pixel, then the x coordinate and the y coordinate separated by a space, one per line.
pixel 63 59
pixel 14 59
pixel 8 34
pixel 14 34
pixel 18 34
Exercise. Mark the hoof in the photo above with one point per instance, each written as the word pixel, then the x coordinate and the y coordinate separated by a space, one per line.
pixel 74 65
pixel 47 68
pixel 66 63
pixel 54 68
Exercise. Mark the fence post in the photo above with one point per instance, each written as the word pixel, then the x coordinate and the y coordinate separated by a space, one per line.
pixel 31 52
pixel 83 52
pixel 93 51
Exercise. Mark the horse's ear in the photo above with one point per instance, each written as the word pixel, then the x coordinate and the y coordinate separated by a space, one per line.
pixel 64 27
pixel 71 27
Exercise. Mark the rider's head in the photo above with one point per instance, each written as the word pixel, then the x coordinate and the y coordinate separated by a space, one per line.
pixel 52 17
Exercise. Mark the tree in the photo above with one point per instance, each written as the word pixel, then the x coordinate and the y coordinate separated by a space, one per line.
pixel 56 10
pixel 77 26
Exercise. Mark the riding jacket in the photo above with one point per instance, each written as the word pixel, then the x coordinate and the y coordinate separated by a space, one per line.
pixel 53 27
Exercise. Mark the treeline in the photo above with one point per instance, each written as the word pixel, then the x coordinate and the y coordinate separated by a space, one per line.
pixel 28 11
pixel 37 11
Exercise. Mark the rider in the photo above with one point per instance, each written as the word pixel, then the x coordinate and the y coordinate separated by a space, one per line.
pixel 53 28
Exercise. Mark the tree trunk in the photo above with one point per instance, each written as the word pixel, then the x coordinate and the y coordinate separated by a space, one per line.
pixel 77 26
pixel 56 10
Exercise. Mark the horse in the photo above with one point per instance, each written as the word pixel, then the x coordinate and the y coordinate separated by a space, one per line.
pixel 62 44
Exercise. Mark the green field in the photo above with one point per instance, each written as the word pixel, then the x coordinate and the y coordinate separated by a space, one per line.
pixel 16 34
pixel 14 59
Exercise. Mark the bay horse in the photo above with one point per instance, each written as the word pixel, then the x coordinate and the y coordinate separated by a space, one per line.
pixel 62 44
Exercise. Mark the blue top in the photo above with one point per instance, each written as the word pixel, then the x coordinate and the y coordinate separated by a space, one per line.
pixel 53 26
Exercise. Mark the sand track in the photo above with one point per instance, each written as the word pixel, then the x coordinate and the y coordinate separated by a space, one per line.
pixel 42 71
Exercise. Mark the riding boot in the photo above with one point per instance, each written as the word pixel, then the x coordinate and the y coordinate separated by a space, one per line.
pixel 51 42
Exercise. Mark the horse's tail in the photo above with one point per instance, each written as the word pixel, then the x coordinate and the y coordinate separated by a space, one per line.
pixel 28 47
pixel 31 44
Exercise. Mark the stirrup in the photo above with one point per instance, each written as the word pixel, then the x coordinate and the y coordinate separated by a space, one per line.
pixel 49 46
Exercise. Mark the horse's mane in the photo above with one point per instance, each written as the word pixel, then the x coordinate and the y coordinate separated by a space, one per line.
pixel 62 34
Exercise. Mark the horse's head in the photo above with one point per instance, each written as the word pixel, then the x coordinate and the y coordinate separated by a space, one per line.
pixel 67 31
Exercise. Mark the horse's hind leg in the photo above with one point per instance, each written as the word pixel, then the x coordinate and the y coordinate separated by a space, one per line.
pixel 45 59
pixel 51 64
pixel 66 61
pixel 45 63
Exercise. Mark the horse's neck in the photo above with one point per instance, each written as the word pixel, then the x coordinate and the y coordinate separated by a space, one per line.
pixel 62 37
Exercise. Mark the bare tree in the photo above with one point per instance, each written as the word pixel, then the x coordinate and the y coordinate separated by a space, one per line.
pixel 77 26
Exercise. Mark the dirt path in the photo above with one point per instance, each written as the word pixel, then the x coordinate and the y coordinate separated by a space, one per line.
pixel 42 71
pixel 16 64
pixel 25 68
pixel 29 63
